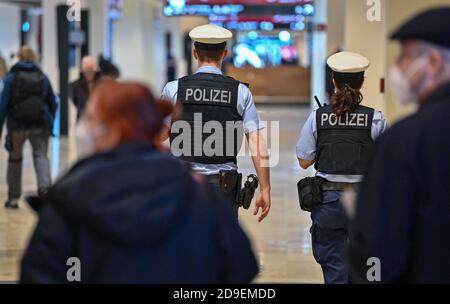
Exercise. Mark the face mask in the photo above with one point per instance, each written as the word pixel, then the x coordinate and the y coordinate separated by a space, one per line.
pixel 401 89
pixel 85 139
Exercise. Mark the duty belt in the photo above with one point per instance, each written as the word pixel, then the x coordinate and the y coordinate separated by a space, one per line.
pixel 337 186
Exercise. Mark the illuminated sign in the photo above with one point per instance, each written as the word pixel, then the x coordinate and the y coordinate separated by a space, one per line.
pixel 203 10
pixel 246 15
pixel 268 25
pixel 243 2
pixel 237 9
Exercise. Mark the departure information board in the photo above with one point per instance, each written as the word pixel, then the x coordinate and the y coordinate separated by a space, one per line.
pixel 246 15
pixel 244 2
pixel 238 7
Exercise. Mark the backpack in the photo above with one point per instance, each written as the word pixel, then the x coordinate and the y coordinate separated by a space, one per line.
pixel 28 102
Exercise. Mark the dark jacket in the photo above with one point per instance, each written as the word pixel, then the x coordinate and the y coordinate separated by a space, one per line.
pixel 134 215
pixel 79 92
pixel 403 211
pixel 7 99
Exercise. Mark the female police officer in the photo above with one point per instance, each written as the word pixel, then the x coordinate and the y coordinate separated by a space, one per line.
pixel 337 138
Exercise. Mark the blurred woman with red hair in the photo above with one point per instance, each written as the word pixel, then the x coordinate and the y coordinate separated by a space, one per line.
pixel 131 213
pixel 120 113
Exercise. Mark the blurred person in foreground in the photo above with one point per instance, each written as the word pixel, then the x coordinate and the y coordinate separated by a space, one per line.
pixel 403 212
pixel 28 105
pixel 131 213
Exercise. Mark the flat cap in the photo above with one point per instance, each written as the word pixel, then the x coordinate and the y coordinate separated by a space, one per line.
pixel 210 36
pixel 430 26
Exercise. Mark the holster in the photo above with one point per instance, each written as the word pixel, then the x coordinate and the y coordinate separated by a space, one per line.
pixel 247 193
pixel 230 182
pixel 310 193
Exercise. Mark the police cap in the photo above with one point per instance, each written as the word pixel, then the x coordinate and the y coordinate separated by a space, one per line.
pixel 348 65
pixel 210 37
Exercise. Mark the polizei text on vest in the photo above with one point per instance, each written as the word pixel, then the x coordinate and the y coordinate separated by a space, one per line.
pixel 347 120
pixel 208 95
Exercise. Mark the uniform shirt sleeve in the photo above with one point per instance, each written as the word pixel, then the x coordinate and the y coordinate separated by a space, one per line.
pixel 306 146
pixel 247 109
pixel 170 93
pixel 379 124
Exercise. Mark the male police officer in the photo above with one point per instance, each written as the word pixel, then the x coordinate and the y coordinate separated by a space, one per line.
pixel 337 138
pixel 403 212
pixel 217 110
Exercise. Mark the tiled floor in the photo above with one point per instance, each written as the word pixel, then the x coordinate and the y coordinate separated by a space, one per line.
pixel 282 241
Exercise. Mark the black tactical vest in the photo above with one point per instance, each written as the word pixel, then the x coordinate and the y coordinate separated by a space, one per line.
pixel 343 143
pixel 210 115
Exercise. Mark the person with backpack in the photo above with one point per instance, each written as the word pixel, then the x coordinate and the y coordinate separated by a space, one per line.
pixel 28 105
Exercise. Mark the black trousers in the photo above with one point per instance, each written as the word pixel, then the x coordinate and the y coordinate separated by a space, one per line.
pixel 214 179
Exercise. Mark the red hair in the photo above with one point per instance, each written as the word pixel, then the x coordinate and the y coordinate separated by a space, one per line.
pixel 131 109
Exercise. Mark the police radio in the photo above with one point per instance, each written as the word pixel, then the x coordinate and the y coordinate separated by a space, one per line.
pixel 317 101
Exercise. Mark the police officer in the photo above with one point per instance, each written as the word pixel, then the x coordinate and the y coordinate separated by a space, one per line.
pixel 403 212
pixel 336 139
pixel 218 110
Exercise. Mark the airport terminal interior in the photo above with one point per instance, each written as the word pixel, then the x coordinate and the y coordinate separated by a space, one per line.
pixel 278 47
